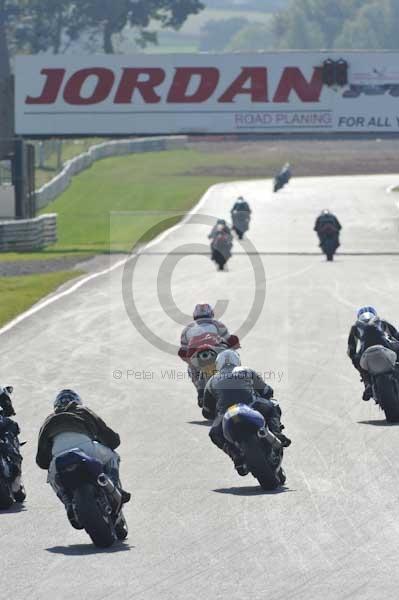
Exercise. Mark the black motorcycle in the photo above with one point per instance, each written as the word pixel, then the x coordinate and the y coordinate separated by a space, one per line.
pixel 246 428
pixel 240 220
pixel 282 178
pixel 11 490
pixel 380 363
pixel 96 501
pixel 221 248
pixel 329 240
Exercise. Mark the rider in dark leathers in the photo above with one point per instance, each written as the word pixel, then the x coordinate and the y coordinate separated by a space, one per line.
pixel 325 219
pixel 9 431
pixel 234 384
pixel 72 426
pixel 242 205
pixel 369 330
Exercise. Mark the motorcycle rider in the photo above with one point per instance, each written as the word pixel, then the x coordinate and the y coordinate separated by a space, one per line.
pixel 9 431
pixel 241 215
pixel 369 329
pixel 203 322
pixel 220 225
pixel 73 425
pixel 234 384
pixel 324 220
pixel 242 205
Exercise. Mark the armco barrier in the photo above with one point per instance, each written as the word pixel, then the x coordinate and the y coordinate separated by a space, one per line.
pixel 28 234
pixel 56 186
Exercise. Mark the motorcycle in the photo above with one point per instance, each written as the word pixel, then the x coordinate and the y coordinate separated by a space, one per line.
pixel 96 501
pixel 380 363
pixel 202 353
pixel 241 220
pixel 329 240
pixel 11 489
pixel 246 428
pixel 282 178
pixel 221 248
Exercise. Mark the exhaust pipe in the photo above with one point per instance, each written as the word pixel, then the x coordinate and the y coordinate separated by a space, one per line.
pixel 266 434
pixel 105 482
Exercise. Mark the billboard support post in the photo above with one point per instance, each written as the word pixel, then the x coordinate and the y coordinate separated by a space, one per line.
pixel 23 179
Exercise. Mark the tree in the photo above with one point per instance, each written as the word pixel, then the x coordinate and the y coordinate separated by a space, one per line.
pixel 215 35
pixel 313 23
pixel 255 36
pixel 375 26
pixel 111 18
pixel 52 25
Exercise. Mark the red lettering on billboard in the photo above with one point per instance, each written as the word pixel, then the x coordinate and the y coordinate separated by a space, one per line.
pixel 257 88
pixel 103 87
pixel 208 80
pixel 292 80
pixel 51 88
pixel 189 85
pixel 131 81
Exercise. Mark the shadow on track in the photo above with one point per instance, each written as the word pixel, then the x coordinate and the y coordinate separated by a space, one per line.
pixel 15 508
pixel 378 423
pixel 252 491
pixel 86 549
pixel 203 423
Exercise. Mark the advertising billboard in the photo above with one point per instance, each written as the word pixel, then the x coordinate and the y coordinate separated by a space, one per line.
pixel 276 92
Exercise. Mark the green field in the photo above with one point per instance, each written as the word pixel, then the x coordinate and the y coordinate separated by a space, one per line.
pixel 19 293
pixel 101 211
pixel 88 219
pixel 70 148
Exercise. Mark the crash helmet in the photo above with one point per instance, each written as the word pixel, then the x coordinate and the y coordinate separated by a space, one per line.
pixel 6 407
pixel 65 398
pixel 367 314
pixel 203 311
pixel 227 358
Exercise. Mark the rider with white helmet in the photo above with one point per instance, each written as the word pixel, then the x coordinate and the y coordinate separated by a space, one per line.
pixel 367 322
pixel 326 219
pixel 234 384
pixel 203 322
pixel 73 425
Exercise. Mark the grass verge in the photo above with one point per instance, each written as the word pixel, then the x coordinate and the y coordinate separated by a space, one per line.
pixel 92 212
pixel 20 293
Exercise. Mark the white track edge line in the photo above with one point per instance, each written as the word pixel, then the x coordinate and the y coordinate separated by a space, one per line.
pixel 57 296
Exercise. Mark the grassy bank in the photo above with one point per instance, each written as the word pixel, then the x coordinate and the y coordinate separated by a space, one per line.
pixel 19 293
pixel 100 212
pixel 92 212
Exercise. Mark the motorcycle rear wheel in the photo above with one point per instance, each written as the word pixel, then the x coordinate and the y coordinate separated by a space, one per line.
pixel 388 398
pixel 96 525
pixel 258 465
pixel 6 497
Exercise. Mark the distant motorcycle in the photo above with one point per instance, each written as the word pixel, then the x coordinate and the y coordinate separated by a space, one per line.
pixel 380 363
pixel 241 219
pixel 282 178
pixel 96 501
pixel 11 489
pixel 246 428
pixel 329 240
pixel 221 248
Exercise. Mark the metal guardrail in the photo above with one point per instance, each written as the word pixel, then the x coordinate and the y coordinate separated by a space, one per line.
pixel 56 186
pixel 28 234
